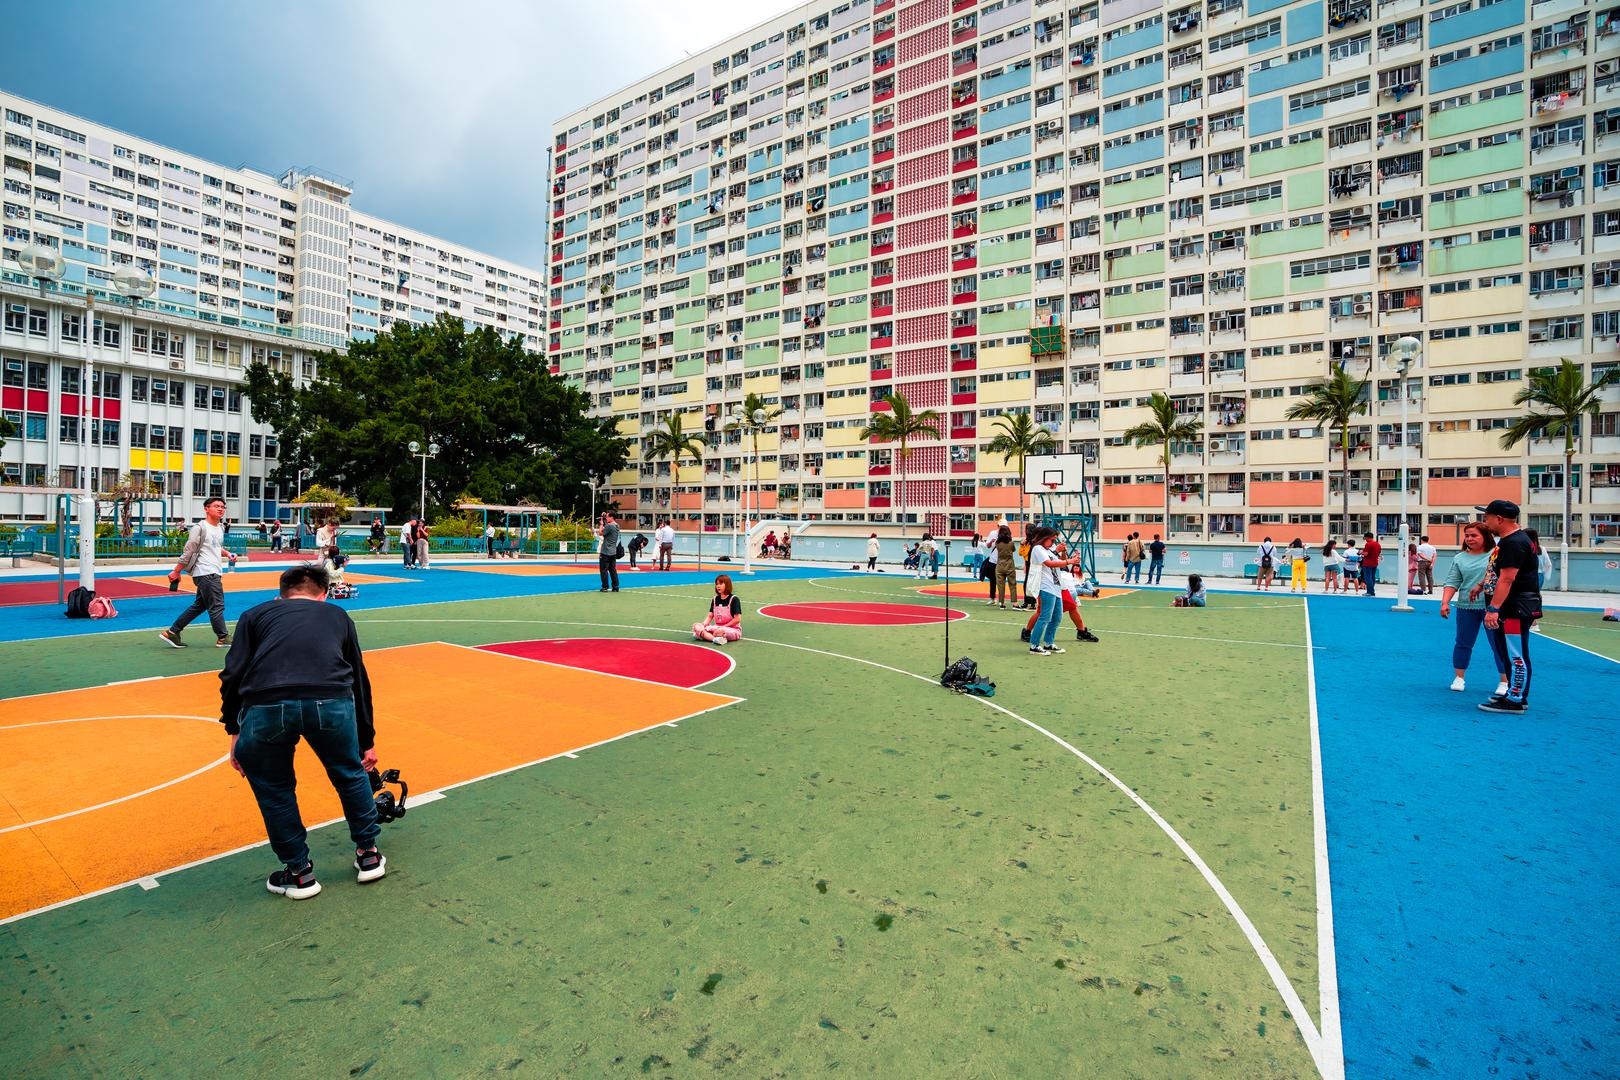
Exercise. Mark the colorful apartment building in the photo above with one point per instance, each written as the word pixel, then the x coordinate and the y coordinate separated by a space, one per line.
pixel 245 266
pixel 1217 200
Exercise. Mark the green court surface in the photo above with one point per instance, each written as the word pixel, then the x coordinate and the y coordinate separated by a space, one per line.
pixel 850 870
pixel 1584 629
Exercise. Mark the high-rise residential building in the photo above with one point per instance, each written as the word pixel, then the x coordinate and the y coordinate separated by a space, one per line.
pixel 247 266
pixel 1219 200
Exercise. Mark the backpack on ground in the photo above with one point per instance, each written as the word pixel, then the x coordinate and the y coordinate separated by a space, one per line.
pixel 102 608
pixel 964 678
pixel 78 602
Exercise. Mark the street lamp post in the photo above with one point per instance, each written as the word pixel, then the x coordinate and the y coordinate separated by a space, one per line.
pixel 417 451
pixel 749 424
pixel 1401 358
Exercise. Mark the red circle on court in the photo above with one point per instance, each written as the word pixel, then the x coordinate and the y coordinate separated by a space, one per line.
pixel 673 663
pixel 842 614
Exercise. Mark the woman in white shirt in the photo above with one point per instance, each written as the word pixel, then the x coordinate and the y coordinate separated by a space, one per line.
pixel 1331 561
pixel 1044 564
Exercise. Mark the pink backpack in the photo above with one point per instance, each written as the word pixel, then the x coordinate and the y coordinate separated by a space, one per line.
pixel 102 608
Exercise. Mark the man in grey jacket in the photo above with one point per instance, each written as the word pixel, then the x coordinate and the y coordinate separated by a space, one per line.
pixel 204 559
pixel 608 553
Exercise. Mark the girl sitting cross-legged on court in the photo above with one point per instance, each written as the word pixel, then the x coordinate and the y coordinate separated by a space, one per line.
pixel 724 620
pixel 1194 596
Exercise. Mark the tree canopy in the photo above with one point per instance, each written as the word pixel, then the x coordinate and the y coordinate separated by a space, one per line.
pixel 507 429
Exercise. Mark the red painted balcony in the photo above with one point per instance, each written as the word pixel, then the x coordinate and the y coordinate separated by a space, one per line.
pixel 879 374
pixel 964 133
pixel 965 298
pixel 965 264
pixel 555 323
pixel 878 159
pixel 962 500
pixel 556 279
pixel 883 5
pixel 965 165
pixel 962 5
pixel 877 470
pixel 964 67
pixel 556 233
pixel 881 310
pixel 968 34
pixel 882 249
pixel 879 219
pixel 887 95
pixel 964 399
pixel 966 100
pixel 965 433
pixel 556 256
pixel 965 364
pixel 881 406
pixel 965 331
pixel 964 230
pixel 964 198
pixel 887 35
pixel 882 279
pixel 555 369
pixel 877 503
pixel 556 346
pixel 885 66
pixel 882 186
pixel 884 125
pixel 882 343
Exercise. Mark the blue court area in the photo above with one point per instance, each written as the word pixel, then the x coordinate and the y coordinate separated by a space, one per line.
pixel 445 584
pixel 1474 862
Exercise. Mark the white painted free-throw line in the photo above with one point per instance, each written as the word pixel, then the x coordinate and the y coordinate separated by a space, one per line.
pixel 1331 1061
pixel 1296 1007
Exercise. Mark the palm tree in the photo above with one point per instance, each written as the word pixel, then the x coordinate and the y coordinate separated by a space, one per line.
pixel 900 425
pixel 1166 428
pixel 753 416
pixel 1562 396
pixel 673 443
pixel 1020 437
pixel 1332 402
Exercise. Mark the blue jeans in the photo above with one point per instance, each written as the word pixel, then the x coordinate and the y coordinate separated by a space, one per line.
pixel 1369 579
pixel 1047 619
pixel 1469 622
pixel 265 752
pixel 1155 571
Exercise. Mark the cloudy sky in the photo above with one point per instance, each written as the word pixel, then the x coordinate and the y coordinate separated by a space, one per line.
pixel 439 110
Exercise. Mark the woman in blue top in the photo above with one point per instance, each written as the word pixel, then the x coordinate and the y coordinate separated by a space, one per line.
pixel 1465 583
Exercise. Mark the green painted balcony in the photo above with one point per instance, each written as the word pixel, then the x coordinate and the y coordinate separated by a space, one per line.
pixel 629 326
pixel 1266 280
pixel 687 314
pixel 852 342
pixel 855 281
pixel 759 355
pixel 849 313
pixel 1133 228
pixel 574 316
pixel 1284 158
pixel 1135 303
pixel 1481 114
pixel 1129 266
pixel 764 298
pixel 630 350
pixel 1476 209
pixel 1008 321
pixel 769 270
pixel 1487 159
pixel 762 328
pixel 1480 255
pixel 1287 241
pixel 690 366
pixel 848 253
pixel 1146 187
pixel 1011 284
pixel 689 337
pixel 628 302
pixel 627 377
pixel 1006 218
pixel 1006 251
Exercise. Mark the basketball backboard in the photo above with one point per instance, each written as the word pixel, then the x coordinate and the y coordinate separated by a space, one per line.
pixel 1055 474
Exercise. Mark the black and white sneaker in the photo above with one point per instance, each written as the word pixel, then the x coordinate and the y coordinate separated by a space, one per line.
pixel 370 864
pixel 294 884
pixel 1502 705
pixel 1052 650
pixel 1036 650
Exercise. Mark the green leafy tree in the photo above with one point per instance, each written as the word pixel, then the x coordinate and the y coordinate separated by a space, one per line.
pixel 7 430
pixel 124 493
pixel 507 428
pixel 1018 436
pixel 900 426
pixel 1165 428
pixel 755 415
pixel 1332 403
pixel 672 442
pixel 1558 399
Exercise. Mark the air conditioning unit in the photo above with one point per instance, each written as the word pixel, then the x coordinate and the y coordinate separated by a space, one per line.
pixel 177 365
pixel 1363 308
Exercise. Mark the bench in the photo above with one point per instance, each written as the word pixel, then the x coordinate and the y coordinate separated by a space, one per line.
pixel 18 550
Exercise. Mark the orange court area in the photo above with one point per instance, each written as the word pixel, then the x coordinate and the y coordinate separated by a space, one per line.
pixel 258 580
pixel 108 785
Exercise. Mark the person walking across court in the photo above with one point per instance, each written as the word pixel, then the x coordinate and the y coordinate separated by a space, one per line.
pixel 1513 583
pixel 296 672
pixel 608 553
pixel 204 558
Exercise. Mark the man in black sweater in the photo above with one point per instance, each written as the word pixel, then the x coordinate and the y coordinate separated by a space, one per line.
pixel 295 671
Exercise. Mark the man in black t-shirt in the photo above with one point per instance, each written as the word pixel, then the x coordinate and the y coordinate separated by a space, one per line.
pixel 1514 590
pixel 1155 560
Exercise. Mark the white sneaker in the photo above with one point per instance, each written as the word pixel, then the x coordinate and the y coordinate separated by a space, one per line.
pixel 1501 690
pixel 1457 684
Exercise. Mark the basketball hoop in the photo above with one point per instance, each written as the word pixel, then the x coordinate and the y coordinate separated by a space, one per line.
pixel 1051 487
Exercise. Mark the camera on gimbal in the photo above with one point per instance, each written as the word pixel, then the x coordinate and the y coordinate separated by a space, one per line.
pixel 388 807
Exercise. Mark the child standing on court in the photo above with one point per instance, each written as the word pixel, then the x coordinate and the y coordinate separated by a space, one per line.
pixel 723 622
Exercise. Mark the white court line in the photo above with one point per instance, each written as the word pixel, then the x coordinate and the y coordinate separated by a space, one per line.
pixel 121 799
pixel 1331 1061
pixel 930 619
pixel 1111 601
pixel 148 883
pixel 1548 637
pixel 1279 978
pixel 88 719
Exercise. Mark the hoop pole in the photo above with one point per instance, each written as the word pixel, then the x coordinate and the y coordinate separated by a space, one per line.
pixel 947 604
